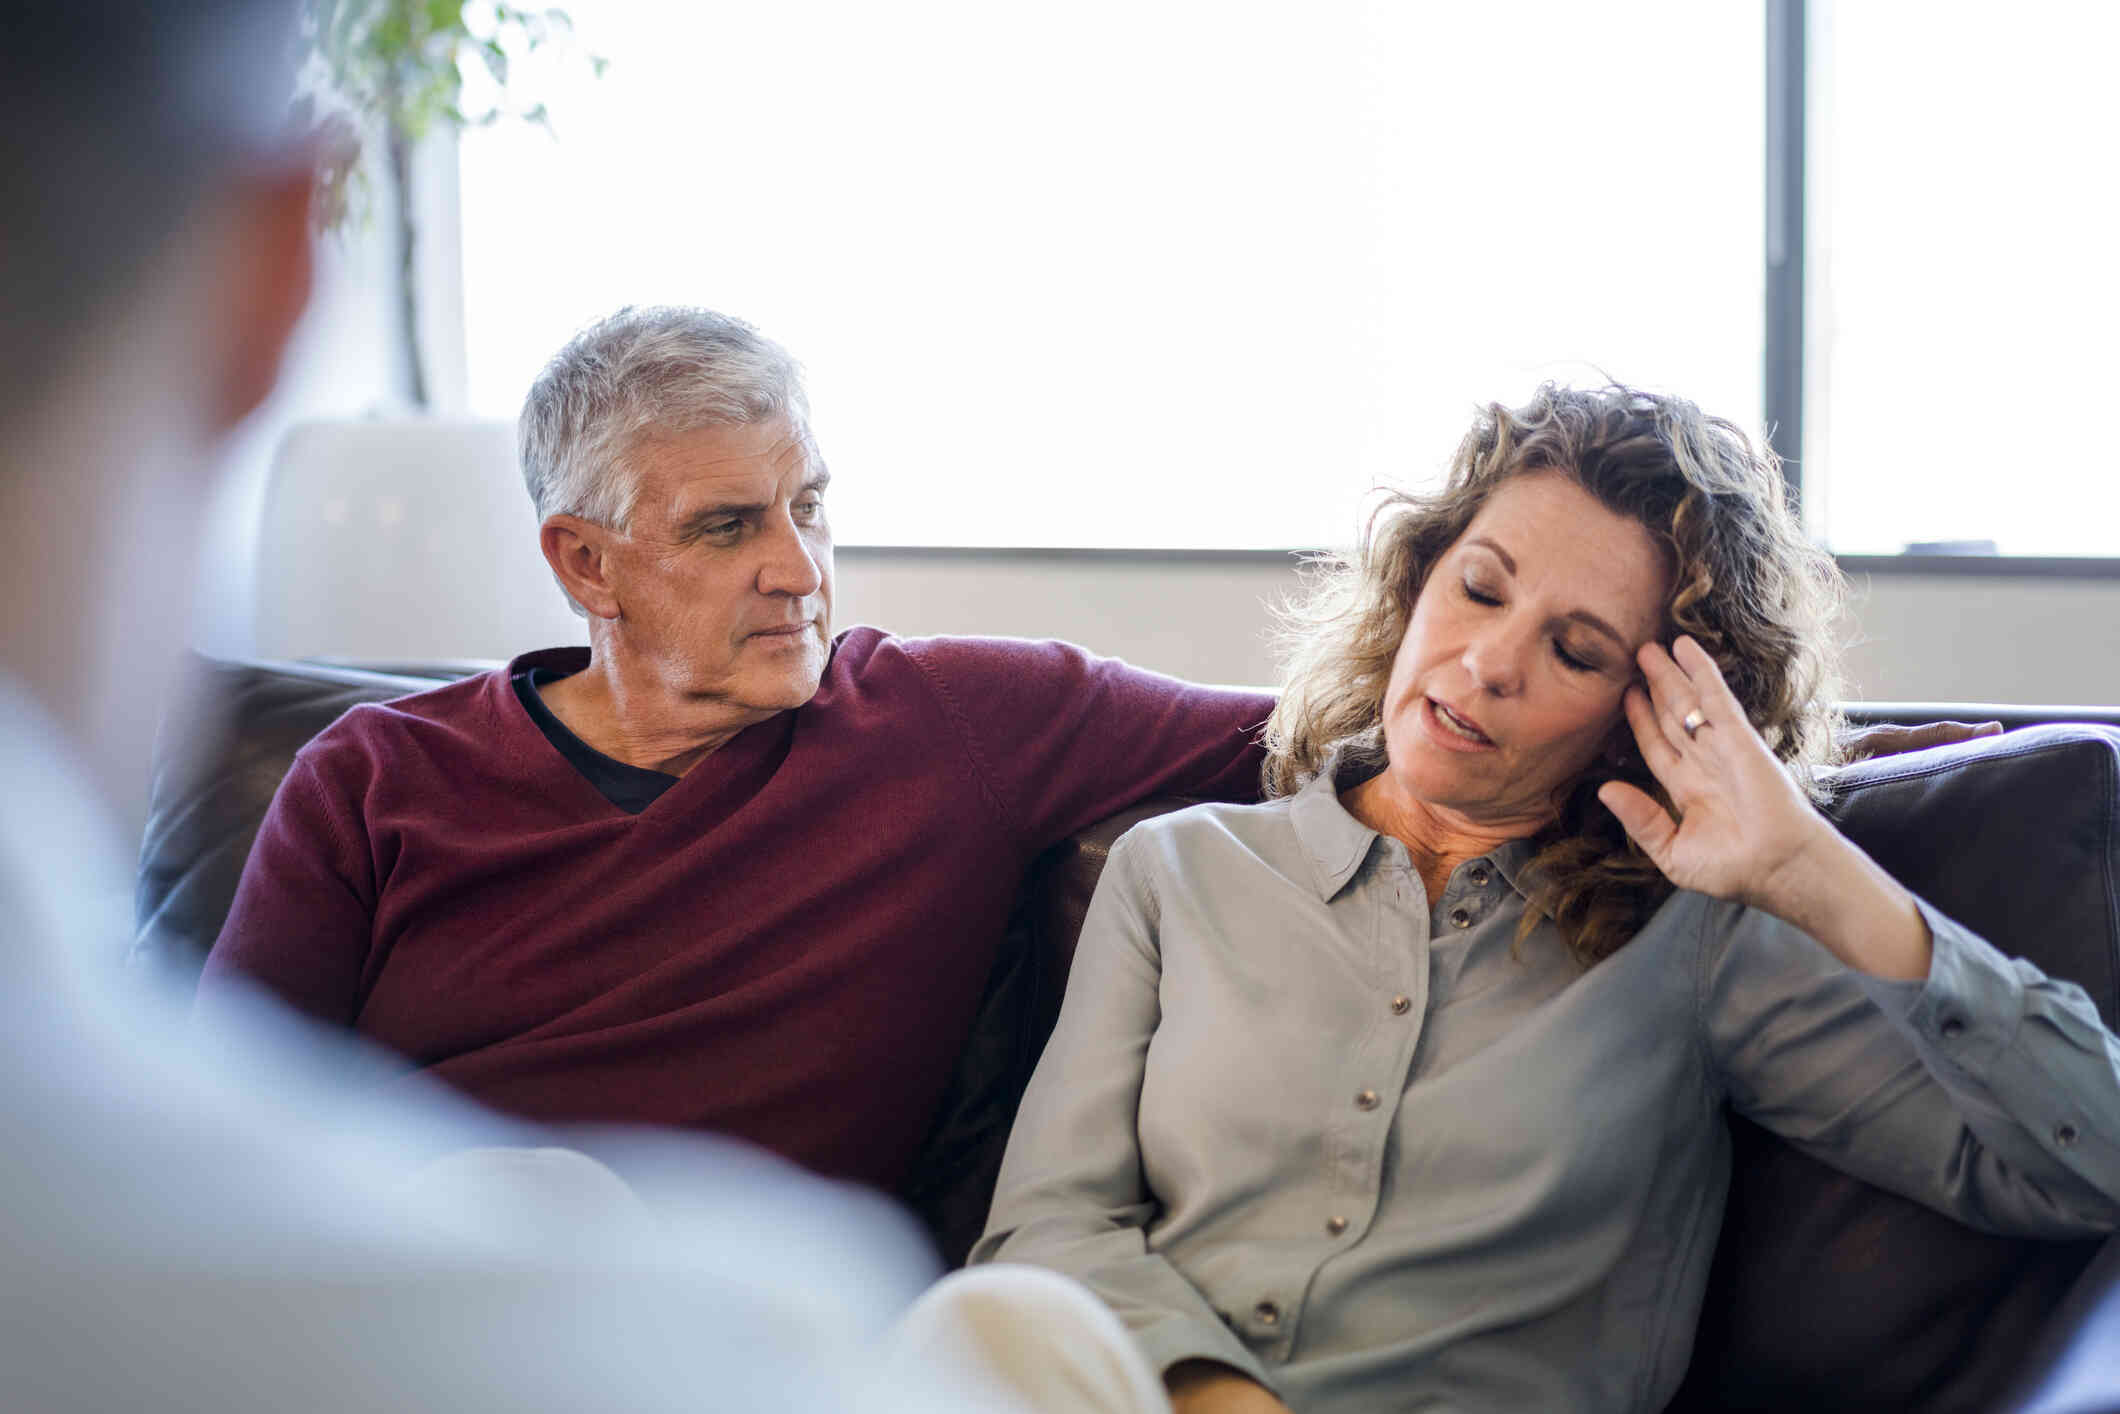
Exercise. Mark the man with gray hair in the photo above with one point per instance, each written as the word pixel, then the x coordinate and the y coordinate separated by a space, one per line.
pixel 724 870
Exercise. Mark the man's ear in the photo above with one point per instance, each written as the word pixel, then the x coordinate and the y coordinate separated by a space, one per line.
pixel 270 266
pixel 578 552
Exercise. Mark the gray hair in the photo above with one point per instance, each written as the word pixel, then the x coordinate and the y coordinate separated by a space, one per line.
pixel 644 370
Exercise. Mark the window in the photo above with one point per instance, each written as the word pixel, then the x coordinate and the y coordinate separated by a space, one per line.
pixel 1962 291
pixel 1136 274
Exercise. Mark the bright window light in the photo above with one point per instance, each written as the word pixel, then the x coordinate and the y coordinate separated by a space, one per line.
pixel 1143 273
pixel 1963 291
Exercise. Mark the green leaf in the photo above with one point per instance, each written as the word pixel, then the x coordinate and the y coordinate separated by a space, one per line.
pixel 391 34
pixel 397 61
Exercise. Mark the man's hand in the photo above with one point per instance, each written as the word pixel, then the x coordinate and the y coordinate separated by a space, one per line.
pixel 1210 1387
pixel 1866 743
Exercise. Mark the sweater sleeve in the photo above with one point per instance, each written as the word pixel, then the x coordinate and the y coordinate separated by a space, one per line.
pixel 1071 1195
pixel 1064 738
pixel 1987 1091
pixel 303 914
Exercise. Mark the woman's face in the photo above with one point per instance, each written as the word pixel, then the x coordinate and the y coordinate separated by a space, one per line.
pixel 1508 682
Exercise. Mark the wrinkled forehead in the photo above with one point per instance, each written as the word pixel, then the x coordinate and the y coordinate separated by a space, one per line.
pixel 747 463
pixel 1546 531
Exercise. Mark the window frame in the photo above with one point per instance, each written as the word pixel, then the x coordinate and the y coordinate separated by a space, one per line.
pixel 1782 372
pixel 1788 133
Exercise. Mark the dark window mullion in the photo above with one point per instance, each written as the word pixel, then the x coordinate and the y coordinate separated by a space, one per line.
pixel 1782 403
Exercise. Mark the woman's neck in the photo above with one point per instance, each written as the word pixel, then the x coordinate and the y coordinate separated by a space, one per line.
pixel 1438 839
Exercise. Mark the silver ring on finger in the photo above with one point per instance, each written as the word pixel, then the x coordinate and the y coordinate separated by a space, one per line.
pixel 1693 721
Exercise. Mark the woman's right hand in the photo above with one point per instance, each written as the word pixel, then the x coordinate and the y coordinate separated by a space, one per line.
pixel 1210 1387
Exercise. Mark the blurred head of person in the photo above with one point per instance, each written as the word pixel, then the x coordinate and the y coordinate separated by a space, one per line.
pixel 1473 651
pixel 154 258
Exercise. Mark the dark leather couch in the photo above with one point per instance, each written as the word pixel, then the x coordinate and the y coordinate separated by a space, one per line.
pixel 1826 1294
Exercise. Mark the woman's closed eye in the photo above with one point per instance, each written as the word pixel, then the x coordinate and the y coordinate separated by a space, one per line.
pixel 1575 662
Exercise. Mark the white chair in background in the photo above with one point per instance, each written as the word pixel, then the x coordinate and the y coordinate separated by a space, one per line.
pixel 403 540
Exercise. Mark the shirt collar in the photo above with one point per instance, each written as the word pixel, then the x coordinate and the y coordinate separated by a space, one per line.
pixel 1337 844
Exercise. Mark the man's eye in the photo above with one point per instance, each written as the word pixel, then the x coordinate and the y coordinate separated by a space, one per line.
pixel 809 506
pixel 723 529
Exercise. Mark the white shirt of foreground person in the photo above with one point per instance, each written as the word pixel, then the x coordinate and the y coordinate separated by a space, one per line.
pixel 219 1232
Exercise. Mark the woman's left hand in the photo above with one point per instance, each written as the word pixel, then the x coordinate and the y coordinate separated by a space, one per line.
pixel 1742 824
pixel 1743 829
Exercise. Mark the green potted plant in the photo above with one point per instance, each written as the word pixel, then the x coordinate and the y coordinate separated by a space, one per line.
pixel 395 68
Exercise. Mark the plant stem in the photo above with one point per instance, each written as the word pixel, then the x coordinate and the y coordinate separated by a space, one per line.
pixel 408 277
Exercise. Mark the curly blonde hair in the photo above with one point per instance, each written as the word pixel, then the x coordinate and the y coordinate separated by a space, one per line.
pixel 1747 585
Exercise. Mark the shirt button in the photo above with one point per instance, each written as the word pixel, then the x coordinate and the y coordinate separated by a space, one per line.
pixel 1334 1226
pixel 1479 876
pixel 1367 1100
pixel 1460 918
pixel 1952 1028
pixel 1268 1313
pixel 1401 1005
pixel 2065 1136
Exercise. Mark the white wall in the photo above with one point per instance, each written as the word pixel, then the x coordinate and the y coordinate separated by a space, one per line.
pixel 1934 638
pixel 398 539
pixel 1190 617
pixel 1917 637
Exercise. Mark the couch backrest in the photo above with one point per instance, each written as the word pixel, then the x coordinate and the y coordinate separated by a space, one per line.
pixel 228 738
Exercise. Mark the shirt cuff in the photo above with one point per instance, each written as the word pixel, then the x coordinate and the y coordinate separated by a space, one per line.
pixel 1178 1338
pixel 1967 1010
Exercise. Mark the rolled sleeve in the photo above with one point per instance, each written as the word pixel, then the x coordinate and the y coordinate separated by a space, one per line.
pixel 2012 1041
pixel 2003 1108
pixel 1965 1014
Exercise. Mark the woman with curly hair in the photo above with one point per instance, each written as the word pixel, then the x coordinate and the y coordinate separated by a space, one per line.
pixel 1405 1088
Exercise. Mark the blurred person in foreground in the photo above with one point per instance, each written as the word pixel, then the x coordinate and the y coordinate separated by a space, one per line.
pixel 193 1232
pixel 1405 1089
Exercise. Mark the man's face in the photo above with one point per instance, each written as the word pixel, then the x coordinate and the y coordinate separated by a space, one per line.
pixel 724 576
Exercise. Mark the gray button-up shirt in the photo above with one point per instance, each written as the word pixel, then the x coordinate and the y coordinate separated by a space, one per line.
pixel 1364 1146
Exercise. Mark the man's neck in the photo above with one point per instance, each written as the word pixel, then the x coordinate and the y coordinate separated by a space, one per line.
pixel 636 718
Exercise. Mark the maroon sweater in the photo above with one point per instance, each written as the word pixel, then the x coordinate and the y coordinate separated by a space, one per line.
pixel 789 945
